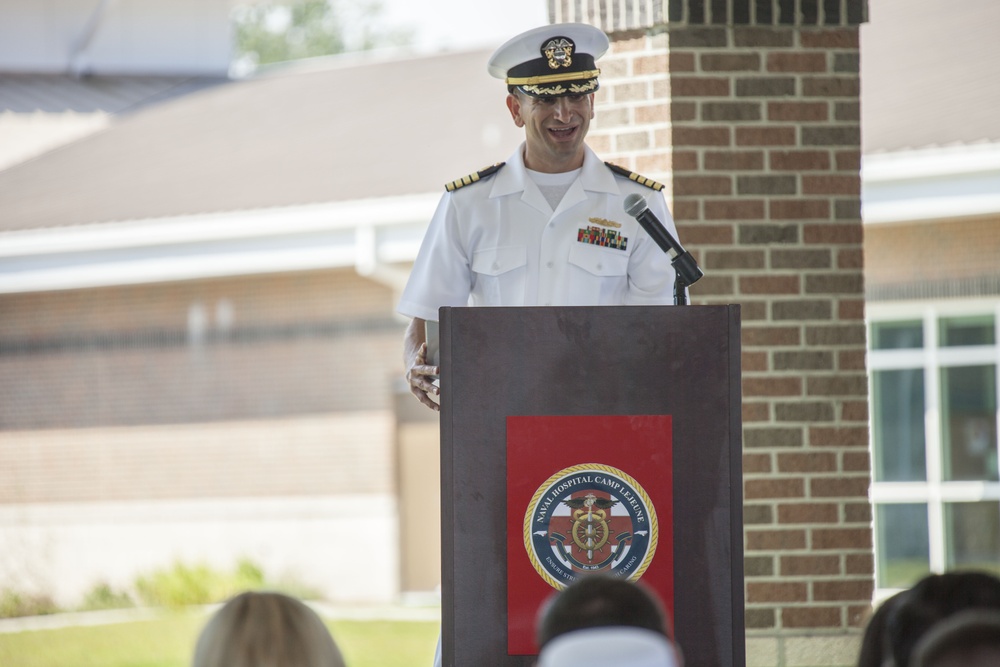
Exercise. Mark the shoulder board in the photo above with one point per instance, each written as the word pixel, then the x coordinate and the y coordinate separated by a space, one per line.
pixel 631 175
pixel 472 178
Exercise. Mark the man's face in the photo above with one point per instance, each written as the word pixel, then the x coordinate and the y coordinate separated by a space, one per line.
pixel 554 128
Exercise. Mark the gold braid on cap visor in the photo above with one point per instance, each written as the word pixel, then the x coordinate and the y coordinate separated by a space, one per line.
pixel 583 82
pixel 552 78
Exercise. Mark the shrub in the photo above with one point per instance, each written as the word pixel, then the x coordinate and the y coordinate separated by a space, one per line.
pixel 102 596
pixel 176 586
pixel 13 603
pixel 183 584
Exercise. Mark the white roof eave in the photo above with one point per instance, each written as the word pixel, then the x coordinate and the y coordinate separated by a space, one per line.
pixel 362 233
pixel 931 183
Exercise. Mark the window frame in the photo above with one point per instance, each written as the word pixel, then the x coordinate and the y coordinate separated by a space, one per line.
pixel 935 491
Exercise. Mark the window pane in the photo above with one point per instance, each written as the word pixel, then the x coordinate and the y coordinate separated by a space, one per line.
pixel 957 331
pixel 898 425
pixel 902 544
pixel 969 422
pixel 897 335
pixel 973 535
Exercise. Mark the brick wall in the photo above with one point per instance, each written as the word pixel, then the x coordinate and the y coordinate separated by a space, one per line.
pixel 202 421
pixel 149 391
pixel 632 123
pixel 766 188
pixel 269 299
pixel 936 258
pixel 242 348
pixel 761 154
pixel 292 456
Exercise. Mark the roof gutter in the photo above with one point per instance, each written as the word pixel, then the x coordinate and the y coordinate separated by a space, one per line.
pixel 939 183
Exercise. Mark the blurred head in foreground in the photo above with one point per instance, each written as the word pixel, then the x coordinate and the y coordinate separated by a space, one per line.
pixel 874 650
pixel 599 621
pixel 266 630
pixel 933 599
pixel 967 639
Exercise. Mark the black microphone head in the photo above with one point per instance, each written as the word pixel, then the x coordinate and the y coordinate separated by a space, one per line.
pixel 635 204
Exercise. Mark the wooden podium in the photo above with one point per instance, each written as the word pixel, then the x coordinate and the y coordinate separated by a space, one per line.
pixel 676 361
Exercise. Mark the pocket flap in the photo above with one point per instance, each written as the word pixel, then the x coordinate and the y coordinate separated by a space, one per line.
pixel 599 261
pixel 495 261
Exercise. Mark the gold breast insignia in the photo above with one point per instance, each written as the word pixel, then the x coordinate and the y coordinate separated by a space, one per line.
pixel 606 223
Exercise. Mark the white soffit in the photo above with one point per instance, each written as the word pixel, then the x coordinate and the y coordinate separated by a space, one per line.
pixel 322 236
pixel 931 183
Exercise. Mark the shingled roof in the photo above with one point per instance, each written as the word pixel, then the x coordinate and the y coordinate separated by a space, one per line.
pixel 329 130
pixel 930 74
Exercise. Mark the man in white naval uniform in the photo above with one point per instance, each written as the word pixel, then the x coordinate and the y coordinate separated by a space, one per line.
pixel 547 227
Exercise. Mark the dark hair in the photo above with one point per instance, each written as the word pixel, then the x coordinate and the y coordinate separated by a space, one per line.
pixel 595 601
pixel 932 599
pixel 875 644
pixel 961 639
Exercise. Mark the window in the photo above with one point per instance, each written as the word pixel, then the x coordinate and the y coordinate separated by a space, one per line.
pixel 898 424
pixel 904 541
pixel 936 482
pixel 973 535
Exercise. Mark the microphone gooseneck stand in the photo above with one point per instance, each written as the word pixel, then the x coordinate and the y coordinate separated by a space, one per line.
pixel 686 270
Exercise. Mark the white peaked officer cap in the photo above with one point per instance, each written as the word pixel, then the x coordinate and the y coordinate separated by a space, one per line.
pixel 551 61
pixel 618 646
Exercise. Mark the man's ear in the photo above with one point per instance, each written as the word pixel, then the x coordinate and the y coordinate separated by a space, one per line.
pixel 593 113
pixel 514 106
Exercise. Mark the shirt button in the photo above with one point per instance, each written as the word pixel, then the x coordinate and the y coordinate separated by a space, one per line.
pixel 599 266
pixel 550 264
pixel 496 266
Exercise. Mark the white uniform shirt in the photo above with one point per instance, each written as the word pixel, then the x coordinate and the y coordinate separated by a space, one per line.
pixel 497 242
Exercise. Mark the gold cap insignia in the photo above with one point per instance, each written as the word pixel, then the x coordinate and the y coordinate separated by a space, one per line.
pixel 559 52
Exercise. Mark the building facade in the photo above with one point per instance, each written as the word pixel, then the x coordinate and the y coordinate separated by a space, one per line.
pixel 199 358
pixel 932 237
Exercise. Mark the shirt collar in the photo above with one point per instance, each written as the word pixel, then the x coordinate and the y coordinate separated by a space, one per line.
pixel 594 176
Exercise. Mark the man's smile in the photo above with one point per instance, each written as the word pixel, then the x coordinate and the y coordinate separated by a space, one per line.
pixel 563 133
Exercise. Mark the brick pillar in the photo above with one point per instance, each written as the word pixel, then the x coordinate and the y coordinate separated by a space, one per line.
pixel 761 154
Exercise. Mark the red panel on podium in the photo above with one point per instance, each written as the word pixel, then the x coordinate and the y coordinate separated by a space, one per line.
pixel 585 494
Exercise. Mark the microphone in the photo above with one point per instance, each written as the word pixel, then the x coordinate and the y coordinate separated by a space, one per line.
pixel 684 264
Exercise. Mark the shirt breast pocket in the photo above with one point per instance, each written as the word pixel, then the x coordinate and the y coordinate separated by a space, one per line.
pixel 499 275
pixel 601 275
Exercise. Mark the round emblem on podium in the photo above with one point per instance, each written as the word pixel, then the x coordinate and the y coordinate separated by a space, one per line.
pixel 590 518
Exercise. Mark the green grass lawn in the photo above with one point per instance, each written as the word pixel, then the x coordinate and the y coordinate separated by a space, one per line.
pixel 169 642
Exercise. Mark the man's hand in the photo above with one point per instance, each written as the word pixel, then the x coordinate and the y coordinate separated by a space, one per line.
pixel 419 375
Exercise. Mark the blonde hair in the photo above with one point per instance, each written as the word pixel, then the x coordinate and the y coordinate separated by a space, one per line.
pixel 266 630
